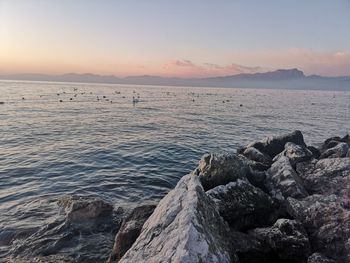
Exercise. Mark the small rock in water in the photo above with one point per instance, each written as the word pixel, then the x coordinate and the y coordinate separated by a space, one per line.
pixel 83 208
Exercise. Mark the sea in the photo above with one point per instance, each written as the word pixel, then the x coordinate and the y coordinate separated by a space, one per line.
pixel 129 144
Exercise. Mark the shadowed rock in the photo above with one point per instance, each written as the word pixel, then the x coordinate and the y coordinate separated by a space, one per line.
pixel 257 156
pixel 221 168
pixel 287 239
pixel 275 144
pixel 327 176
pixel 130 230
pixel 243 206
pixel 184 227
pixel 327 223
pixel 295 153
pixel 339 150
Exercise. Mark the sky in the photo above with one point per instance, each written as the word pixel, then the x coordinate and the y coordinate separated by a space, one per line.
pixel 183 38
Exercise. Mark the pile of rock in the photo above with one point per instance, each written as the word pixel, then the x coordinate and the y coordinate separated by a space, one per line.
pixel 276 200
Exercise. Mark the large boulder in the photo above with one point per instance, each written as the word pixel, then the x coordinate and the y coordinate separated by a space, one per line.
pixel 130 230
pixel 327 176
pixel 327 223
pixel 184 227
pixel 275 144
pixel 339 150
pixel 283 181
pixel 295 153
pixel 287 239
pixel 221 168
pixel 244 206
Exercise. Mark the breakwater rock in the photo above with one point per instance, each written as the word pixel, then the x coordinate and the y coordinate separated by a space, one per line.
pixel 275 200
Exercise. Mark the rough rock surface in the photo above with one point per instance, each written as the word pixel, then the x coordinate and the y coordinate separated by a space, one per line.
pixel 327 176
pixel 295 153
pixel 283 181
pixel 221 168
pixel 130 230
pixel 185 227
pixel 327 223
pixel 339 150
pixel 319 258
pixel 287 239
pixel 244 206
pixel 275 144
pixel 257 156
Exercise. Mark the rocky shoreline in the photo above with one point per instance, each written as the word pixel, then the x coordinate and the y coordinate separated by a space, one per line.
pixel 275 200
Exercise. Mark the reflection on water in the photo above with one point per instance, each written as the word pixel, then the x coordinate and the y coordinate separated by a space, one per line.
pixel 90 139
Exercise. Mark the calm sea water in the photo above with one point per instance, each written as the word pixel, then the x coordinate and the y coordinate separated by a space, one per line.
pixel 129 153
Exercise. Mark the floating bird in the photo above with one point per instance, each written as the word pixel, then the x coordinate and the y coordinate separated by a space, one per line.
pixel 1 102
pixel 61 100
pixel 240 105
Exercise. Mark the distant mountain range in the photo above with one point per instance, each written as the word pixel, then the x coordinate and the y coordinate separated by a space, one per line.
pixel 282 78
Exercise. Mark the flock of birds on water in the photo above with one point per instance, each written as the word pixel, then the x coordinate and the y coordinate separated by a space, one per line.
pixel 135 97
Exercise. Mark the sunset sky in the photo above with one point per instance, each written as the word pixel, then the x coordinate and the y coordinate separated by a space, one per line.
pixel 174 38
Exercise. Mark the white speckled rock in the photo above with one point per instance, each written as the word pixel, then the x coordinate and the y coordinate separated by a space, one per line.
pixel 185 227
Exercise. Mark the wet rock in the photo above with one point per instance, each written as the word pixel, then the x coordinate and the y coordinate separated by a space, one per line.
pixel 327 223
pixel 275 144
pixel 130 230
pixel 283 181
pixel 221 168
pixel 287 239
pixel 339 150
pixel 319 258
pixel 295 153
pixel 87 221
pixel 184 227
pixel 7 236
pixel 327 176
pixel 79 208
pixel 257 156
pixel 243 206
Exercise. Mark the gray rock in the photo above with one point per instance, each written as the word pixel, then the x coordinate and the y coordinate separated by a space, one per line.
pixel 327 223
pixel 287 239
pixel 130 230
pixel 87 221
pixel 275 144
pixel 257 156
pixel 295 153
pixel 184 227
pixel 327 176
pixel 339 150
pixel 244 206
pixel 221 168
pixel 319 258
pixel 283 181
pixel 79 208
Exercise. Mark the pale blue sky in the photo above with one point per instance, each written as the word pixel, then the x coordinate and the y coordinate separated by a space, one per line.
pixel 129 37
